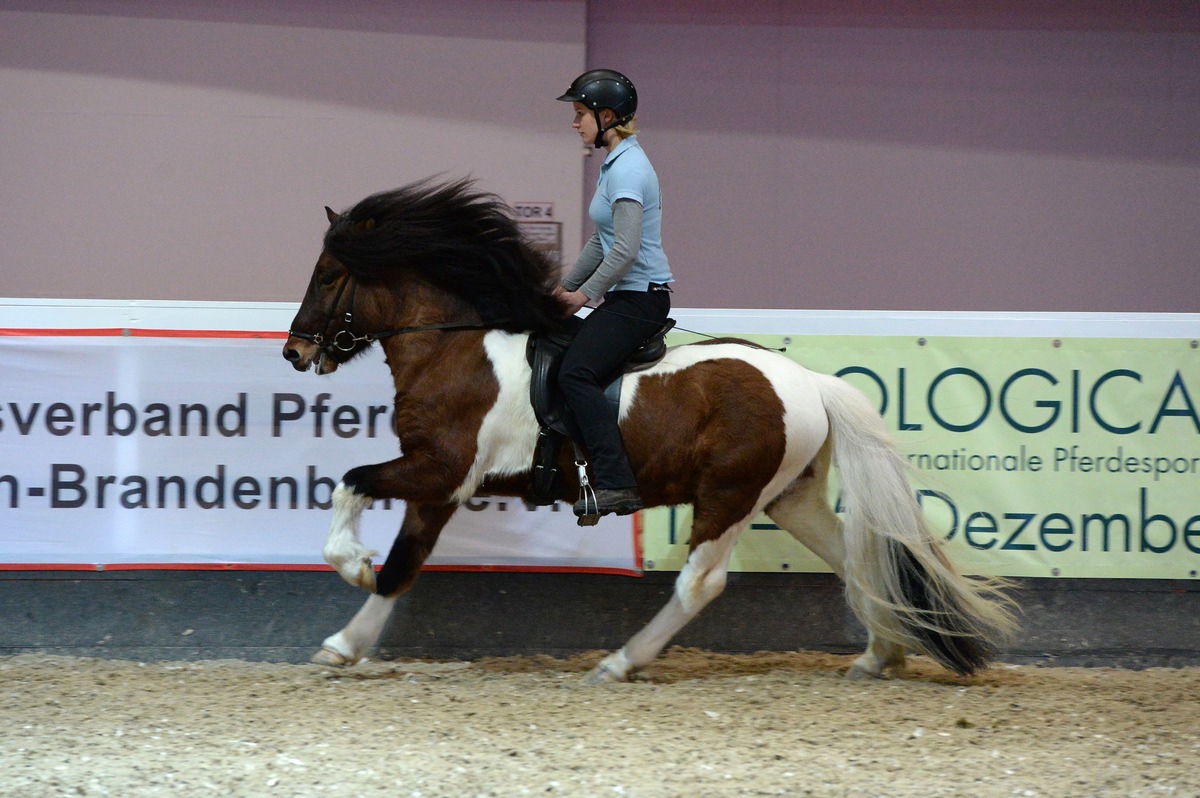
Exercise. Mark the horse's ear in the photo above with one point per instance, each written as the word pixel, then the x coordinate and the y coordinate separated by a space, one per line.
pixel 333 217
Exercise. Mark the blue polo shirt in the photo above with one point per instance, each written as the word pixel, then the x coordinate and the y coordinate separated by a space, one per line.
pixel 627 174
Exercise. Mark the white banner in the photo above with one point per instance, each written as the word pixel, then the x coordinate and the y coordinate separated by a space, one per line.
pixel 139 448
pixel 123 445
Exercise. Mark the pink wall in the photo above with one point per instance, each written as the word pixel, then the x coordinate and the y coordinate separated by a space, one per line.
pixel 184 150
pixel 882 157
pixel 879 155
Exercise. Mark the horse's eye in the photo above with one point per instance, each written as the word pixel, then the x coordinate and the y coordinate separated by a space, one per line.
pixel 329 278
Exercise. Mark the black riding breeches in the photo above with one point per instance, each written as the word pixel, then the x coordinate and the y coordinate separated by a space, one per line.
pixel 609 335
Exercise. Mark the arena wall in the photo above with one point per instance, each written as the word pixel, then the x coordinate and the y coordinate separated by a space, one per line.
pixel 284 616
pixel 130 608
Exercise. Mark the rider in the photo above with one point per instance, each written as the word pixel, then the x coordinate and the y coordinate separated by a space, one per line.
pixel 622 264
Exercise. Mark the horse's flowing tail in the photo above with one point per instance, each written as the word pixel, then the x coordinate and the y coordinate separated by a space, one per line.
pixel 898 581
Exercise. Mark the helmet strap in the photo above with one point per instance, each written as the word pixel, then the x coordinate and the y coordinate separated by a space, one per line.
pixel 601 129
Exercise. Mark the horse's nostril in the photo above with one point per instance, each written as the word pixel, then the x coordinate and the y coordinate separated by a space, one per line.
pixel 291 354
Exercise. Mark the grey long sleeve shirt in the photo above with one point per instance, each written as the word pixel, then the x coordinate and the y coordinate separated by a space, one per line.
pixel 595 272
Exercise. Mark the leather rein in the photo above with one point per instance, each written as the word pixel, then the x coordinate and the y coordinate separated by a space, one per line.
pixel 344 340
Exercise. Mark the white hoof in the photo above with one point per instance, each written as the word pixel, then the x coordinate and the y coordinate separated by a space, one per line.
pixel 366 574
pixel 613 669
pixel 353 563
pixel 868 666
pixel 335 659
pixel 858 673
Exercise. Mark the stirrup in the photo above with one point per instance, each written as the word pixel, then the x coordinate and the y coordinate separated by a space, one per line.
pixel 587 496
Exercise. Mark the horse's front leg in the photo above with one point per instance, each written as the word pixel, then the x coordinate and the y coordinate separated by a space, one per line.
pixel 417 478
pixel 418 534
pixel 343 549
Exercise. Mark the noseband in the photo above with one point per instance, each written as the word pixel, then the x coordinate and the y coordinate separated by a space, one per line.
pixel 344 340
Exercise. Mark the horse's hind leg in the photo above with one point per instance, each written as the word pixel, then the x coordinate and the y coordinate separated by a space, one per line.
pixel 701 580
pixel 803 511
pixel 422 525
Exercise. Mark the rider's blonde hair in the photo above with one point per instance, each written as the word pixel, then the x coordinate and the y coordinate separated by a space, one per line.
pixel 628 129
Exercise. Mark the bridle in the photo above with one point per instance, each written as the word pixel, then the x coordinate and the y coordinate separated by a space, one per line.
pixel 345 341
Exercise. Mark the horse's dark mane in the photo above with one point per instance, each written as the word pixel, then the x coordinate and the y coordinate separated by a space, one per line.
pixel 463 240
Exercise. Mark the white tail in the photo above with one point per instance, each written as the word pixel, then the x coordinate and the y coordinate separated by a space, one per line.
pixel 898 581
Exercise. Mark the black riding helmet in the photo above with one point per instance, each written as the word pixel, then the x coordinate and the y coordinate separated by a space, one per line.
pixel 604 88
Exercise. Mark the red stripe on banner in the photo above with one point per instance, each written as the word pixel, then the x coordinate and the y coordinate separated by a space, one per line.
pixel 536 569
pixel 64 332
pixel 212 566
pixel 133 332
pixel 48 566
pixel 241 566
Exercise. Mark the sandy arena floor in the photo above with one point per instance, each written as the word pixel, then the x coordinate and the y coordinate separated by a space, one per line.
pixel 696 724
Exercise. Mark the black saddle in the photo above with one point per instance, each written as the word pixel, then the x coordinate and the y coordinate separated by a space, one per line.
pixel 545 353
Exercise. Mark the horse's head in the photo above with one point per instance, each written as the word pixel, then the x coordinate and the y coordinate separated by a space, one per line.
pixel 421 257
pixel 323 330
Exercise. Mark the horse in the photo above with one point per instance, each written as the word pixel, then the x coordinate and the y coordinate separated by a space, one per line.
pixel 439 275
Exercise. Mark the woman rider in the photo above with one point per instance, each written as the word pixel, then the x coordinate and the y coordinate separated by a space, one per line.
pixel 622 265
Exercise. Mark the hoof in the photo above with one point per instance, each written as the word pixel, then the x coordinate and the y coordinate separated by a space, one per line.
pixel 366 575
pixel 334 659
pixel 869 666
pixel 613 669
pixel 857 673
pixel 355 567
pixel 602 675
pixel 360 573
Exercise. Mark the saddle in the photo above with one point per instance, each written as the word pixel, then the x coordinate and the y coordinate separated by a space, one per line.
pixel 545 353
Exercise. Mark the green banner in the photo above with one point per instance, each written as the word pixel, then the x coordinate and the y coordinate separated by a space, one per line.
pixel 1071 457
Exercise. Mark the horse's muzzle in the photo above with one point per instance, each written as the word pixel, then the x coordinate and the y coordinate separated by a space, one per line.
pixel 300 353
pixel 303 354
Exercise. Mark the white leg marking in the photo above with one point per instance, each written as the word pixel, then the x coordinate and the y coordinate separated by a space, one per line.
pixel 359 636
pixel 880 656
pixel 343 550
pixel 647 644
pixel 702 580
pixel 616 667
pixel 703 576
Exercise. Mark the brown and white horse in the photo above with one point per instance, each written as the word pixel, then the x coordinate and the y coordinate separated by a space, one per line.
pixel 439 276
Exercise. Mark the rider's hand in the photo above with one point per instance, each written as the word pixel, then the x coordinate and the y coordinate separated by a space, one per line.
pixel 571 301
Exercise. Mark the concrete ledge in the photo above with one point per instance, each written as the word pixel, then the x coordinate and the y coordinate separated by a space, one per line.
pixel 283 616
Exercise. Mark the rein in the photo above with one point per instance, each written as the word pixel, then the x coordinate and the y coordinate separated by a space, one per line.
pixel 344 340
pixel 603 309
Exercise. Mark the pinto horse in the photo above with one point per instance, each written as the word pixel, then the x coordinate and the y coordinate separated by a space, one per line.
pixel 439 276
